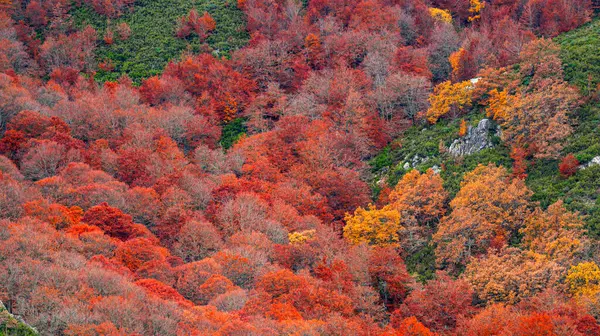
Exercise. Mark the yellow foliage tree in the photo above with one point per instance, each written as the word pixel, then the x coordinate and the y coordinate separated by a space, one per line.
pixel 420 199
pixel 538 120
pixel 511 275
pixel 314 49
pixel 440 15
pixel 455 60
pixel 448 97
pixel 584 280
pixel 475 9
pixel 301 237
pixel 489 208
pixel 501 104
pixel 421 196
pixel 377 227
pixel 230 110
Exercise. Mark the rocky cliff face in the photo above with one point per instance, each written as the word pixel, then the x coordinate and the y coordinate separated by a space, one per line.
pixel 476 139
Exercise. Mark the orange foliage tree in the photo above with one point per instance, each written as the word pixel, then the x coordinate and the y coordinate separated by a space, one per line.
pixel 489 208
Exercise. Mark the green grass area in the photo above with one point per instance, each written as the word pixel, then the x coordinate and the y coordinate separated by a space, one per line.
pixel 153 42
pixel 581 56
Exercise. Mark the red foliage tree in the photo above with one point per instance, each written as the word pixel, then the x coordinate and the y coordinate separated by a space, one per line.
pixel 519 156
pixel 193 22
pixel 568 165
pixel 412 327
pixel 389 276
pixel 160 290
pixel 114 222
pixel 36 14
pixel 213 286
pixel 137 251
pixel 70 52
pixel 439 304
pixel 219 85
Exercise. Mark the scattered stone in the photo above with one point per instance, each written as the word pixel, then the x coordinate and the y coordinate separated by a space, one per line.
pixel 594 162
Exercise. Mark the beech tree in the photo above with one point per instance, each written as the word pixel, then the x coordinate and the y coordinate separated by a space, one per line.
pixel 114 222
pixel 70 52
pixel 388 276
pixel 201 25
pixel 378 227
pixel 556 233
pixel 583 281
pixel 44 159
pixel 538 121
pixel 197 240
pixel 489 208
pixel 412 327
pixel 137 251
pixel 568 165
pixel 448 98
pixel 438 305
pixel 420 195
pixel 512 275
pixel 403 95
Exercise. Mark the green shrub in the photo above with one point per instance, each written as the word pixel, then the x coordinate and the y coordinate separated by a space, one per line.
pixel 232 132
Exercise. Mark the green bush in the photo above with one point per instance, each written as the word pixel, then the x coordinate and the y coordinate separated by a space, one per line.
pixel 422 263
pixel 232 132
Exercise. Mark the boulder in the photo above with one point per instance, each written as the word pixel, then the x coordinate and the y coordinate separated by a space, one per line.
pixel 593 162
pixel 476 139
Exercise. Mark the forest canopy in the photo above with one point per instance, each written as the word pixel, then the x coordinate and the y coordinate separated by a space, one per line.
pixel 288 167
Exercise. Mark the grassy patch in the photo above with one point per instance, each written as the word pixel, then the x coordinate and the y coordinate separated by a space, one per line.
pixel 153 42
pixel 10 326
pixel 581 59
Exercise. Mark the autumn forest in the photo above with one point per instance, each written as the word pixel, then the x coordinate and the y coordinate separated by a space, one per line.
pixel 300 167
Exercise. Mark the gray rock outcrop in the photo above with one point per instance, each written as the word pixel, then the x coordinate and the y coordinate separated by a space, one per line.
pixel 594 162
pixel 476 139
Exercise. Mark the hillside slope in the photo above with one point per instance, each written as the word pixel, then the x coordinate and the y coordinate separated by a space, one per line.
pixel 420 146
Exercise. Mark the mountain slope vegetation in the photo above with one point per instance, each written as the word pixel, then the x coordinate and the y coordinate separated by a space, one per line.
pixel 290 167
pixel 153 42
